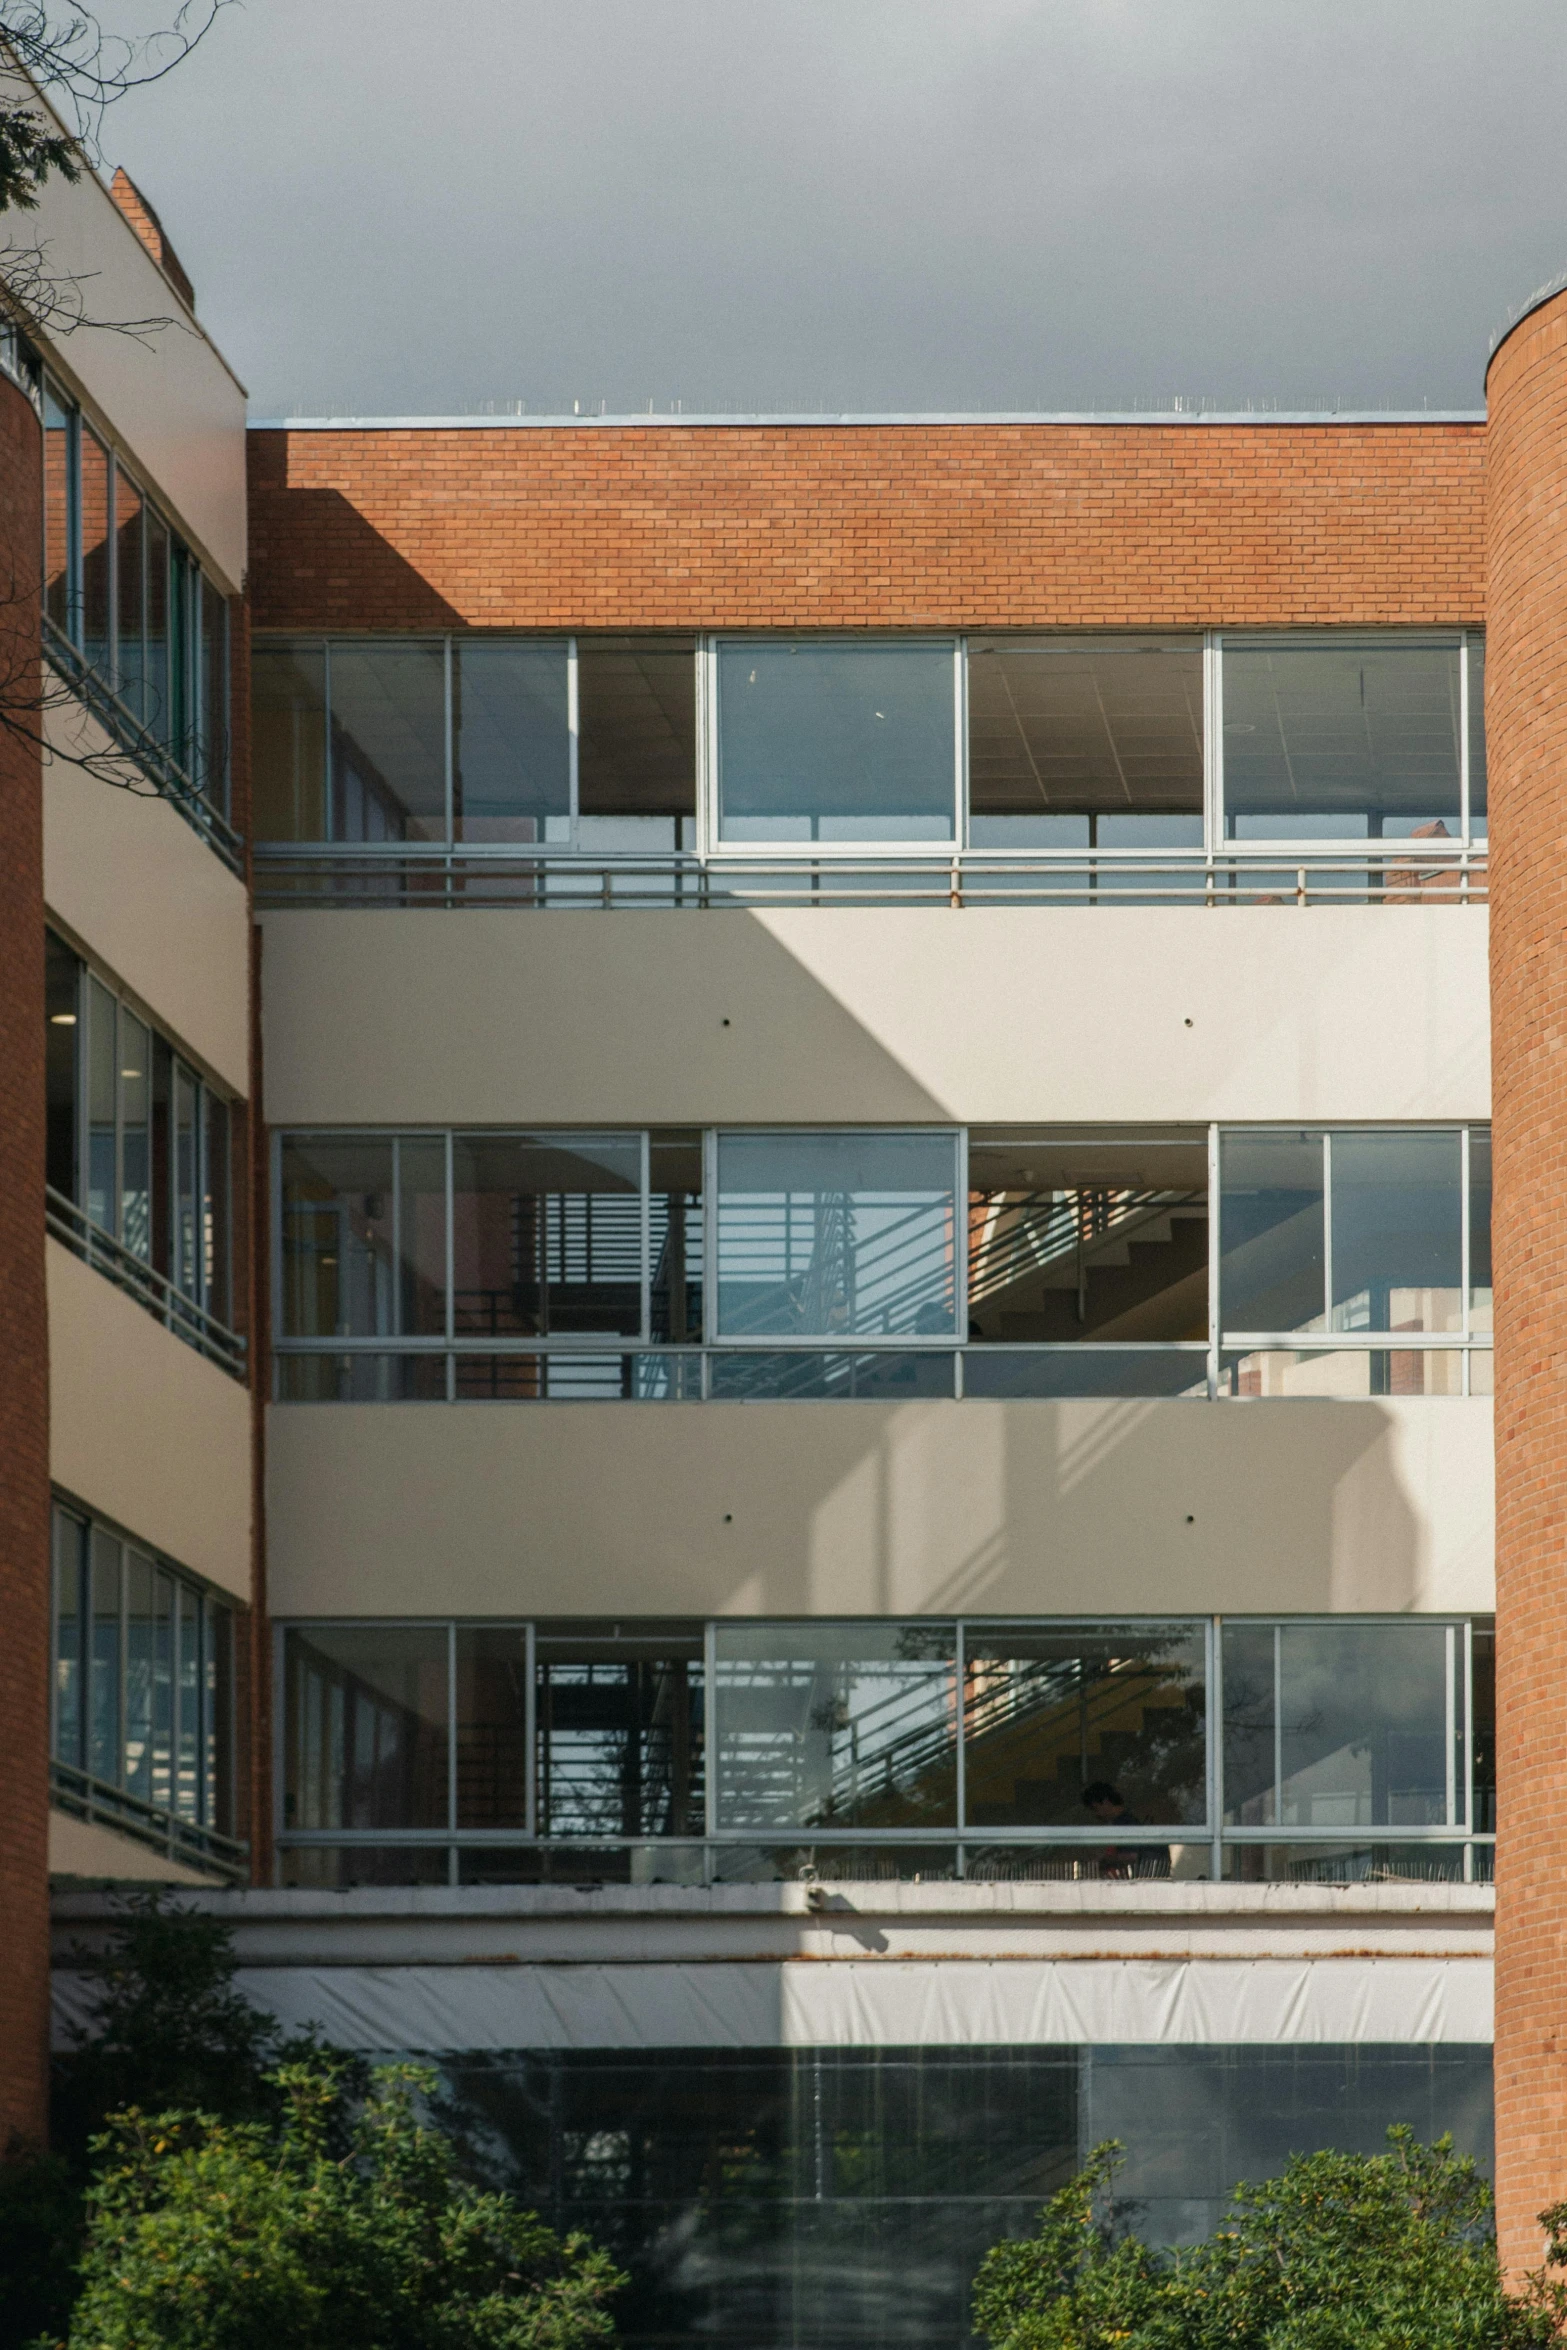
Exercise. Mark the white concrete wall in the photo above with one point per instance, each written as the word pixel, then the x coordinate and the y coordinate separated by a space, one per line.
pixel 876 1015
pixel 826 1509
pixel 145 1429
pixel 144 893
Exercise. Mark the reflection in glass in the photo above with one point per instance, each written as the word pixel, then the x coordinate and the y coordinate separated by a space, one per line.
pixel 62 1032
pixel 836 742
pixel 836 1726
pixel 1103 1238
pixel 157 699
pixel 103 1696
pixel 620 1734
pixel 636 747
pixel 367 1736
pixel 1480 1228
pixel 188 1690
pixel 212 764
pixel 836 1235
pixel 69 1546
pixel 492 1726
pixel 97 585
pixel 1070 737
pixel 103 1177
pixel 1341 1725
pixel 675 1236
pixel 756 1375
pixel 511 739
pixel 1422 1863
pixel 1272 1263
pixel 59 511
pixel 1341 737
pixel 1347 1372
pixel 1051 1713
pixel 141 1646
pixel 388 741
pixel 1478 797
pixel 547 1235
pixel 135 1074
pixel 1397 1231
pixel 288 742
pixel 1001 1372
pixel 364 1236
pixel 1482 1715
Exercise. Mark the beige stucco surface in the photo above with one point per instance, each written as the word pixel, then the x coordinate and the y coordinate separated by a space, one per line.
pixel 876 1014
pixel 144 894
pixel 800 1509
pixel 82 1848
pixel 145 1429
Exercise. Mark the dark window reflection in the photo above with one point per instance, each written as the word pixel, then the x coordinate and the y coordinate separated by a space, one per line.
pixel 1342 737
pixel 1085 742
pixel 620 1735
pixel 636 742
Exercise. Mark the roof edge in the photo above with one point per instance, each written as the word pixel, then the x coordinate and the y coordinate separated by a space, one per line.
pixel 644 422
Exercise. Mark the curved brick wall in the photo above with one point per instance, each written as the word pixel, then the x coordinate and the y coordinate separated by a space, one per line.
pixel 1526 715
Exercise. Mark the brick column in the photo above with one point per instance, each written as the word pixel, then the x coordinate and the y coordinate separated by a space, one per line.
pixel 1526 713
pixel 24 1331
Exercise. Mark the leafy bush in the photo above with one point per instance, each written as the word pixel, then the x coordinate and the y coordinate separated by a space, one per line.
pixel 211 2235
pixel 1391 2251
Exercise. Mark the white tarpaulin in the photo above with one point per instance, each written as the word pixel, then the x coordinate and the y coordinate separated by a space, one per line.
pixel 877 2002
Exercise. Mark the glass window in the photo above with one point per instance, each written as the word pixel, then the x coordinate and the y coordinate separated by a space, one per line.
pixel 547 1234
pixel 367 1721
pixel 103 1179
pixel 1272 1263
pixel 288 741
pixel 62 987
pixel 216 1221
pixel 1479 1227
pixel 620 1733
pixel 135 1074
pixel 1397 1245
pixel 836 742
pixel 141 1673
pixel 364 1236
pixel 130 587
pixel 836 1725
pixel 218 1716
pixel 1478 796
pixel 1087 1237
pixel 675 1236
pixel 636 742
pixel 1077 742
pixel 97 537
pixel 1341 737
pixel 511 756
pixel 70 1537
pixel 1065 1729
pixel 492 1727
pixel 388 741
pixel 60 511
pixel 212 765
pixel 157 690
pixel 104 1759
pixel 1341 1725
pixel 837 1235
pixel 185 1168
pixel 188 1694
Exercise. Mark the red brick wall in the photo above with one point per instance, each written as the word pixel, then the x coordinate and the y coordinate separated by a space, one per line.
pixel 24 1331
pixel 897 526
pixel 1526 717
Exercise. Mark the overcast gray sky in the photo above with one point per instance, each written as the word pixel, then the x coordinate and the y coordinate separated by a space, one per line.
pixel 390 207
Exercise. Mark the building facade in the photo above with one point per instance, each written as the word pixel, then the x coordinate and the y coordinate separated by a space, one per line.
pixel 832 1491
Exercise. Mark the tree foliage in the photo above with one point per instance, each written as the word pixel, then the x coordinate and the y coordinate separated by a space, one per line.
pixel 209 2235
pixel 1391 2251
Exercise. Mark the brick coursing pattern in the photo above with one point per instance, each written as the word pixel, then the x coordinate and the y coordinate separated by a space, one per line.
pixel 1526 721
pixel 24 1335
pixel 868 526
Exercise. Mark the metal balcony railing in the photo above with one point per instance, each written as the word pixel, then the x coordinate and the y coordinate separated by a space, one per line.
pixel 87 1798
pixel 139 743
pixel 150 1288
pixel 407 874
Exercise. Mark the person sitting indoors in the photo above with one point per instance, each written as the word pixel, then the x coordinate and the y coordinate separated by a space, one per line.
pixel 1108 1804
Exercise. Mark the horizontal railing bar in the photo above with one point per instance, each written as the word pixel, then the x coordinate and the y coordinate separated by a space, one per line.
pixel 154 1290
pixel 1090 1839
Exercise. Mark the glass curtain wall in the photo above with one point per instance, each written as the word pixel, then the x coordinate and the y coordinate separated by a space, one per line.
pixel 129 610
pixel 139 1144
pixel 1342 1749
pixel 742 1266
pixel 141 1703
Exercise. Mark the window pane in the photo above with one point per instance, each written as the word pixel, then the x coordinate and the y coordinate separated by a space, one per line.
pixel 162 1748
pixel 141 1645
pixel 103 1716
pixel 129 561
pixel 1397 1232
pixel 183 602
pixel 1478 795
pixel 1068 734
pixel 103 1181
pixel 834 1235
pixel 185 1170
pixel 1352 1732
pixel 836 742
pixel 388 736
pixel 1480 1227
pixel 511 778
pixel 69 1537
pixel 492 1728
pixel 836 1726
pixel 636 741
pixel 135 1066
pixel 59 511
pixel 364 1236
pixel 675 1216
pixel 366 1740
pixel 288 742
pixel 157 690
pixel 1072 1730
pixel 96 586
pixel 188 1693
pixel 1081 1238
pixel 62 987
pixel 1340 738
pixel 620 1735
pixel 547 1234
pixel 1483 1684
pixel 212 767
pixel 216 1224
pixel 1271 1265
pixel 218 1726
